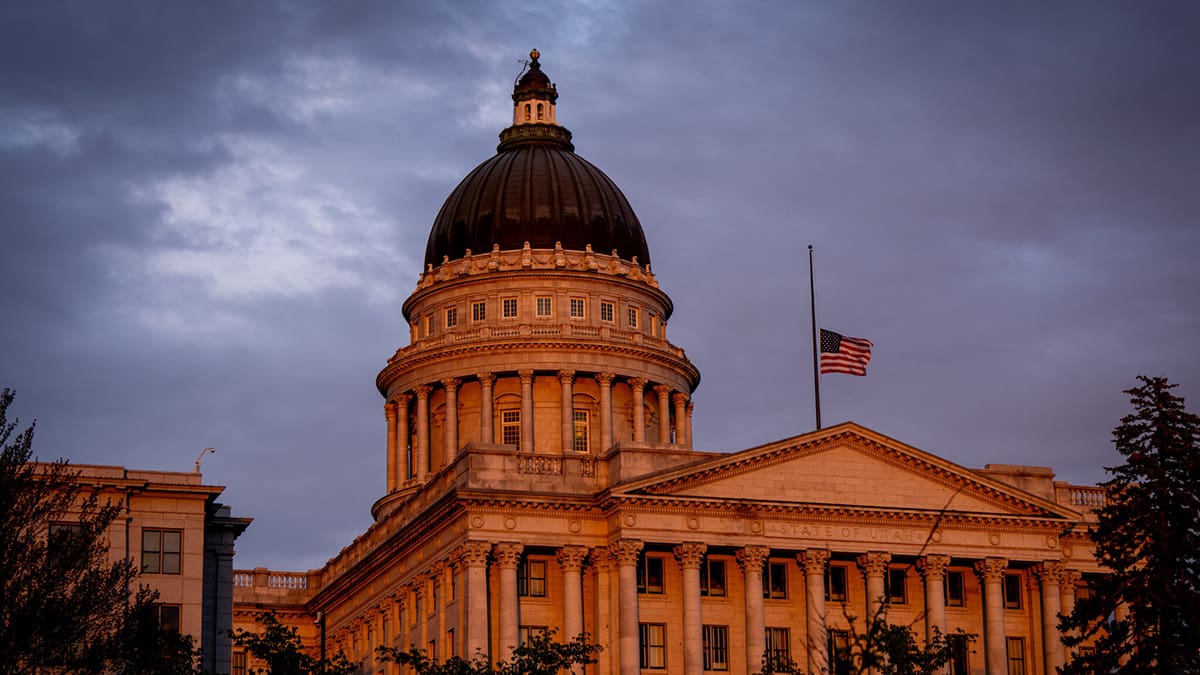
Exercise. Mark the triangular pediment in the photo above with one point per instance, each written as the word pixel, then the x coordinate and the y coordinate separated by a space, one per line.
pixel 846 466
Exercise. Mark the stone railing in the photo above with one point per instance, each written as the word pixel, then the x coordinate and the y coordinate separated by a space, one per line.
pixel 456 336
pixel 537 259
pixel 1087 498
pixel 264 585
pixel 540 465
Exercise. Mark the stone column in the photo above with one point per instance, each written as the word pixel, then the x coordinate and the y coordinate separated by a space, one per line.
pixel 1067 589
pixel 438 604
pixel 691 405
pixel 420 609
pixel 508 555
pixel 474 557
pixel 991 573
pixel 570 559
pixel 451 449
pixel 1050 576
pixel 422 431
pixel 626 551
pixel 605 381
pixel 602 563
pixel 567 379
pixel 389 412
pixel 638 386
pixel 813 561
pixel 751 560
pixel 680 400
pixel 526 415
pixel 664 413
pixel 933 570
pixel 874 566
pixel 402 440
pixel 486 433
pixel 690 556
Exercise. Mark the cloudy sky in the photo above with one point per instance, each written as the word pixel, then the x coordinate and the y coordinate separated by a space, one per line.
pixel 212 212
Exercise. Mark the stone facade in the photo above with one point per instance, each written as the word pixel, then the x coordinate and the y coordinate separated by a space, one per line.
pixel 541 474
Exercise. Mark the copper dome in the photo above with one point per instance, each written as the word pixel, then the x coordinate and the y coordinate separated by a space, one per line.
pixel 536 190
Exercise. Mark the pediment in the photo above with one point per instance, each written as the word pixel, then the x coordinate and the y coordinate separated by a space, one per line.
pixel 846 466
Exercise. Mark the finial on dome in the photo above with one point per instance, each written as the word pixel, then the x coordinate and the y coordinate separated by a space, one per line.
pixel 534 54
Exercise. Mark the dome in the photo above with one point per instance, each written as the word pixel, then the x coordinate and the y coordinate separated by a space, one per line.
pixel 537 190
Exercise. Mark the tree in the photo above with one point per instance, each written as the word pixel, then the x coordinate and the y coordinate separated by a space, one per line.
pixel 279 646
pixel 1144 616
pixel 63 605
pixel 539 655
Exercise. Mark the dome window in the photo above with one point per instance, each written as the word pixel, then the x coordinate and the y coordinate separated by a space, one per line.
pixel 632 312
pixel 527 112
pixel 578 308
pixel 606 312
pixel 451 317
pixel 510 427
pixel 541 112
pixel 479 311
pixel 544 306
pixel 508 308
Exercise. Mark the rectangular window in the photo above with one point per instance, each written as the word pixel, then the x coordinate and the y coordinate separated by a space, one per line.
pixel 580 442
pixel 958 654
pixel 712 578
pixel 544 306
pixel 1012 591
pixel 510 427
pixel 775 581
pixel 835 584
pixel 652 640
pixel 955 593
pixel 779 646
pixel 632 313
pixel 64 538
pixel 897 585
pixel 168 617
pixel 428 324
pixel 606 311
pixel 508 308
pixel 479 311
pixel 450 646
pixel 1016 656
pixel 451 317
pixel 716 647
pixel 524 633
pixel 161 551
pixel 531 579
pixel 839 652
pixel 577 308
pixel 650 575
pixel 239 663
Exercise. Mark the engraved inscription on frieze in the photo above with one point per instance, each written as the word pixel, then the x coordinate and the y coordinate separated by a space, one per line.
pixel 903 535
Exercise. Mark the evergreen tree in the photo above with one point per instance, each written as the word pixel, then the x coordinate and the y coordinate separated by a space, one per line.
pixel 1144 616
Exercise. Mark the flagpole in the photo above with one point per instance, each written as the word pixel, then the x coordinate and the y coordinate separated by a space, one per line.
pixel 812 303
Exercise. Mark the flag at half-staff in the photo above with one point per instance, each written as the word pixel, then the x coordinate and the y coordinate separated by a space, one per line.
pixel 841 354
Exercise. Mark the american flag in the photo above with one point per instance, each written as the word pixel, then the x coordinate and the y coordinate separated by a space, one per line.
pixel 841 354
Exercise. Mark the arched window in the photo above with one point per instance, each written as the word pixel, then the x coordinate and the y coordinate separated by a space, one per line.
pixel 540 114
pixel 526 112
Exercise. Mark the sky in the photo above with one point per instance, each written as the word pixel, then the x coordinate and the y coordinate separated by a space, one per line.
pixel 211 213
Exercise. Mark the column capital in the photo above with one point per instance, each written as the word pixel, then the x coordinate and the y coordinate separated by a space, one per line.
pixel 474 553
pixel 933 566
pixel 690 554
pixel 422 391
pixel 662 389
pixel 451 383
pixel 752 557
pixel 691 405
pixel 813 560
pixel 991 569
pixel 874 563
pixel 436 570
pixel 416 585
pixel 566 376
pixel 526 376
pixel 508 554
pixel 604 379
pixel 626 551
pixel 679 397
pixel 571 558
pixel 636 383
pixel 389 410
pixel 402 399
pixel 1049 573
pixel 602 559
pixel 1071 577
pixel 486 379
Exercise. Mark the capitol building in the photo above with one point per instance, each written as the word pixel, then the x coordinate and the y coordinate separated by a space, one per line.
pixel 541 474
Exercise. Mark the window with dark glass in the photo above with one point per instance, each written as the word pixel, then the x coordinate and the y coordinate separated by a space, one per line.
pixel 239 663
pixel 168 617
pixel 479 311
pixel 712 578
pixel 955 592
pixel 835 583
pixel 716 647
pixel 959 650
pixel 1012 591
pixel 652 641
pixel 508 308
pixel 531 578
pixel 451 317
pixel 779 645
pixel 524 633
pixel 578 309
pixel 510 427
pixel 1016 656
pixel 161 551
pixel 839 652
pixel 606 311
pixel 544 306
pixel 775 581
pixel 650 575
pixel 897 586
pixel 632 314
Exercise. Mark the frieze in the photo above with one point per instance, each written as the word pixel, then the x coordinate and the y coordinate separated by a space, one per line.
pixel 896 535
